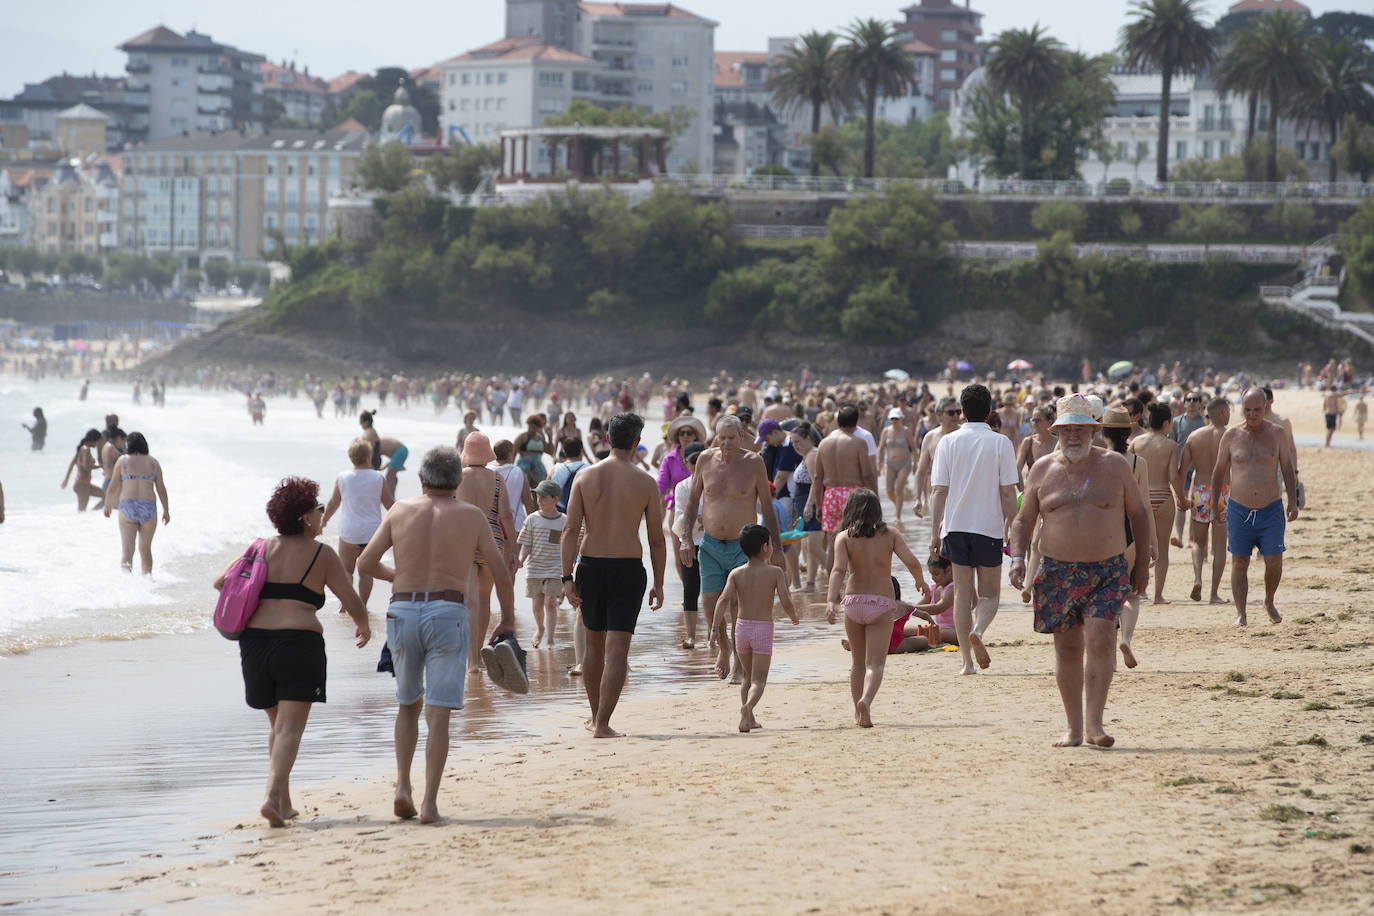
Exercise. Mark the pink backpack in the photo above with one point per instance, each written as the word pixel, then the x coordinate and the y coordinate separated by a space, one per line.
pixel 238 596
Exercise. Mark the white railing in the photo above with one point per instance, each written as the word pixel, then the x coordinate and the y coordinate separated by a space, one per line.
pixel 1200 190
pixel 781 232
pixel 1322 311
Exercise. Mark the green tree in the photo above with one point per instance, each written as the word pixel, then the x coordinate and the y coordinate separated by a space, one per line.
pixel 1294 219
pixel 1028 65
pixel 463 167
pixel 901 231
pixel 217 272
pixel 1130 223
pixel 1357 244
pixel 809 74
pixel 1208 225
pixel 1062 129
pixel 1226 168
pixel 1343 72
pixel 388 167
pixel 1167 34
pixel 1054 216
pixel 873 64
pixel 192 279
pixel 1356 149
pixel 830 149
pixel 1279 49
pixel 1242 72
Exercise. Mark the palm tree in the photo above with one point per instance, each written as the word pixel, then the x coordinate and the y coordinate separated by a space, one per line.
pixel 873 64
pixel 1242 72
pixel 1168 34
pixel 1280 51
pixel 1342 70
pixel 1028 65
pixel 809 74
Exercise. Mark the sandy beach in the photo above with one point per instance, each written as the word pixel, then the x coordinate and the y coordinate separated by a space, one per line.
pixel 1241 779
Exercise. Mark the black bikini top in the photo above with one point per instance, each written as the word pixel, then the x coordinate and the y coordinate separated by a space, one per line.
pixel 295 591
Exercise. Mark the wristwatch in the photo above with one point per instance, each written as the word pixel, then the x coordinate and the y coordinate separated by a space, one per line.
pixel 567 578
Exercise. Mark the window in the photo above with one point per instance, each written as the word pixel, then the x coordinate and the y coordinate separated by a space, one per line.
pixel 291 167
pixel 549 80
pixel 292 199
pixel 1122 149
pixel 679 87
pixel 551 106
pixel 948 75
pixel 271 221
pixel 1181 150
pixel 949 55
pixel 312 225
pixel 451 79
pixel 1142 151
pixel 1301 149
pixel 462 104
pixel 1315 150
pixel 1225 147
pixel 680 61
pixel 1206 149
pixel 312 168
pixel 292 225
pixel 181 62
pixel 333 168
pixel 467 79
pixel 271 167
pixel 644 86
pixel 1226 117
pixel 501 78
pixel 491 77
pixel 949 35
pixel 645 62
pixel 271 199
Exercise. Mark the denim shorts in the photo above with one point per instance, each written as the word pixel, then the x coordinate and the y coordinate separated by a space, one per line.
pixel 429 651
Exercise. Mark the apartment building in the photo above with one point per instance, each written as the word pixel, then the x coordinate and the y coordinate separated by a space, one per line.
pixel 38 107
pixel 75 208
pixel 919 100
pixel 654 56
pixel 191 83
pixel 952 31
pixel 17 183
pixel 291 93
pixel 231 195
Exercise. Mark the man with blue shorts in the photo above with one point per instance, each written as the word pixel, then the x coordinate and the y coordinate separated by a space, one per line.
pixel 1254 456
pixel 729 487
pixel 434 537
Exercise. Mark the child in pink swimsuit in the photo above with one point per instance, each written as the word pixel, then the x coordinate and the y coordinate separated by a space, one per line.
pixel 863 551
pixel 753 586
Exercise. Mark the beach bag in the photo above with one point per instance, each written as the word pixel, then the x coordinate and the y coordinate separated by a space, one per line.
pixel 238 596
pixel 566 495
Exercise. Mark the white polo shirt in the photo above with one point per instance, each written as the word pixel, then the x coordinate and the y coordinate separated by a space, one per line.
pixel 974 462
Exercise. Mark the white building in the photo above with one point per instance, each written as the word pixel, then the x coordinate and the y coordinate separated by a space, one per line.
pixel 1204 123
pixel 298 95
pixel 918 102
pixel 514 82
pixel 654 56
pixel 192 83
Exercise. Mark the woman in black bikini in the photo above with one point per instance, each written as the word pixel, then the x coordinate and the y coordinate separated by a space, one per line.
pixel 282 650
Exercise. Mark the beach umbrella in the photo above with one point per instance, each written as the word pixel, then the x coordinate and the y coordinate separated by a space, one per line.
pixel 897 375
pixel 79 345
pixel 964 365
pixel 1017 365
pixel 27 342
pixel 1120 369
pixel 149 345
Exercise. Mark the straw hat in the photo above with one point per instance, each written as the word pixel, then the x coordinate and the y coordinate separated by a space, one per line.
pixel 477 450
pixel 688 420
pixel 1117 418
pixel 1075 410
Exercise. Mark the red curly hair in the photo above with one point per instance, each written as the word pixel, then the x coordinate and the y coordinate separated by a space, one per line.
pixel 293 498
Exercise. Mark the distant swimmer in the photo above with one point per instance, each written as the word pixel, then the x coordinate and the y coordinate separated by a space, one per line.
pixel 135 488
pixel 39 430
pixel 282 650
pixel 84 462
pixel 85 389
pixel 435 538
pixel 257 408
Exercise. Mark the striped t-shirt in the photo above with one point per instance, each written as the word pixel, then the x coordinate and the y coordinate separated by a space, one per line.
pixel 543 536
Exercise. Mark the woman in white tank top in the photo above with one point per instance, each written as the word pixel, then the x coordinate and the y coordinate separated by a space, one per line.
pixel 360 495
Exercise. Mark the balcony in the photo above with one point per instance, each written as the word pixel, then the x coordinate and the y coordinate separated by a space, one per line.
pixel 1218 125
pixel 137 66
pixel 612 40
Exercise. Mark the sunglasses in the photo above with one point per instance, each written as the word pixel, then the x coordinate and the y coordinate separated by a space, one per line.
pixel 1193 400
pixel 953 413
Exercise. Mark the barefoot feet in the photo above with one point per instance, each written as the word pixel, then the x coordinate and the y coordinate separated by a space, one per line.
pixel 980 651
pixel 1273 614
pixel 270 813
pixel 1101 740
pixel 1127 654
pixel 429 814
pixel 862 716
pixel 403 807
pixel 1196 593
pixel 1070 739
pixel 845 643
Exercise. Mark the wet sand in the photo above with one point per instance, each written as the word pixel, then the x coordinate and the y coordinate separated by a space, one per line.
pixel 1241 778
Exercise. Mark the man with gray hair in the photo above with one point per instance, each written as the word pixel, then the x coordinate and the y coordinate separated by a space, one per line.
pixel 433 537
pixel 948 412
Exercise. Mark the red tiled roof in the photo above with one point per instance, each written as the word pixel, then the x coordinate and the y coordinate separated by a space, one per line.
pixel 275 76
pixel 1269 6
pixel 422 75
pixel 157 36
pixel 730 66
pixel 345 81
pixel 621 9
pixel 352 125
pixel 531 48
pixel 918 47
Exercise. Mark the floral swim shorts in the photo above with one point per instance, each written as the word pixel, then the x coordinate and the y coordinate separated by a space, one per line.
pixel 1202 506
pixel 1066 594
pixel 832 507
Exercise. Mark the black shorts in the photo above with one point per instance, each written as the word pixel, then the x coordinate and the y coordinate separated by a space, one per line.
pixel 282 665
pixel 1331 421
pixel 612 591
pixel 965 549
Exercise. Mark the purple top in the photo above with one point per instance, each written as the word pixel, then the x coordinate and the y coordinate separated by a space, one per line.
pixel 671 472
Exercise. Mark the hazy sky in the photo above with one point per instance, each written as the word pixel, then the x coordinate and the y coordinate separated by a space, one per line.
pixel 38 40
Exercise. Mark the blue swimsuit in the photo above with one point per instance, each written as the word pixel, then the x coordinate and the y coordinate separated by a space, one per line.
pixel 138 511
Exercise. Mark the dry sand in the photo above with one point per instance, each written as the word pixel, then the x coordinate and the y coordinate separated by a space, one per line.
pixel 1242 778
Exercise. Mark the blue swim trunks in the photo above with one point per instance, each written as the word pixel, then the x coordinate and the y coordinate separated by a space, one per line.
pixel 716 558
pixel 398 459
pixel 1248 528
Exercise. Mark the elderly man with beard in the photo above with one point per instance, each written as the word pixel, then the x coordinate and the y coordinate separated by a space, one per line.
pixel 1088 498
